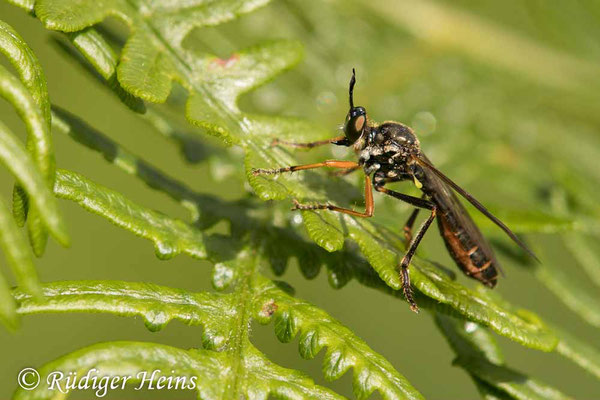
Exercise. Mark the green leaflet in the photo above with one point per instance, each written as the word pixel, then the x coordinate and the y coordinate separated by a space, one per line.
pixel 469 340
pixel 33 106
pixel 480 356
pixel 325 229
pixel 570 290
pixel 501 49
pixel 489 392
pixel 14 157
pixel 157 305
pixel 153 55
pixel 267 378
pixel 570 347
pixel 318 330
pixel 525 221
pixel 9 234
pixel 8 310
pixel 213 371
pixel 29 97
pixel 17 253
pixel 97 57
pixel 579 247
pixel 515 384
pixel 128 299
pixel 27 66
pixel 25 4
pixel 581 353
pixel 170 236
pixel 92 46
pixel 519 325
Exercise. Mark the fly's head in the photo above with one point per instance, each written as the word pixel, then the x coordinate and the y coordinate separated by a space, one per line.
pixel 355 125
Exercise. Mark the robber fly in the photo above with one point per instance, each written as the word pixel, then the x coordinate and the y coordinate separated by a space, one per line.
pixel 390 152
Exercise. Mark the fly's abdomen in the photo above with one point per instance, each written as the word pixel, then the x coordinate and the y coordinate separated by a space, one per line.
pixel 468 248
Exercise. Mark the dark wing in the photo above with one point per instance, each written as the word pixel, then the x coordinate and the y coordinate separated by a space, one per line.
pixel 425 163
pixel 467 246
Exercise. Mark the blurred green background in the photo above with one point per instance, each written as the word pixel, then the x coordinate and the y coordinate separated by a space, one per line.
pixel 501 94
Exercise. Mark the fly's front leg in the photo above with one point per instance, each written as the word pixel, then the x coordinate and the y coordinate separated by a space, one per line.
pixel 346 172
pixel 340 141
pixel 419 203
pixel 331 164
pixel 369 205
pixel 293 168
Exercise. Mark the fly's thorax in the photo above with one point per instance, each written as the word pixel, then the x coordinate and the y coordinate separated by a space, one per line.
pixel 398 133
pixel 388 147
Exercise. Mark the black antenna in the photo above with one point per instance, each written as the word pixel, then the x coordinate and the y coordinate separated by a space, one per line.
pixel 352 83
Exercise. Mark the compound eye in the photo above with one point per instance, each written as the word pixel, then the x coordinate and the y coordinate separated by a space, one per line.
pixel 356 121
pixel 359 123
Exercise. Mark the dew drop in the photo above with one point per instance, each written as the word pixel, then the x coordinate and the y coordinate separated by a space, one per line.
pixel 297 219
pixel 470 327
pixel 326 101
pixel 424 123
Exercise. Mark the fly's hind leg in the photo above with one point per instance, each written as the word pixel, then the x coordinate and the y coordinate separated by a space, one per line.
pixel 407 229
pixel 412 248
pixel 408 226
pixel 408 257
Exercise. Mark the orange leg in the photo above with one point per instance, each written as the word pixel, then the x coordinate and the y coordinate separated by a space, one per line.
pixel 369 205
pixel 331 164
pixel 293 168
pixel 346 171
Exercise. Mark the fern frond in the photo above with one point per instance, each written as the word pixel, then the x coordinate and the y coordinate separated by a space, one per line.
pixel 570 290
pixel 214 376
pixel 478 353
pixel 153 57
pixel 581 353
pixel 502 47
pixel 239 273
pixel 148 66
pixel 15 158
pixel 29 96
pixel 318 330
pixel 218 313
pixel 102 65
pixel 584 355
